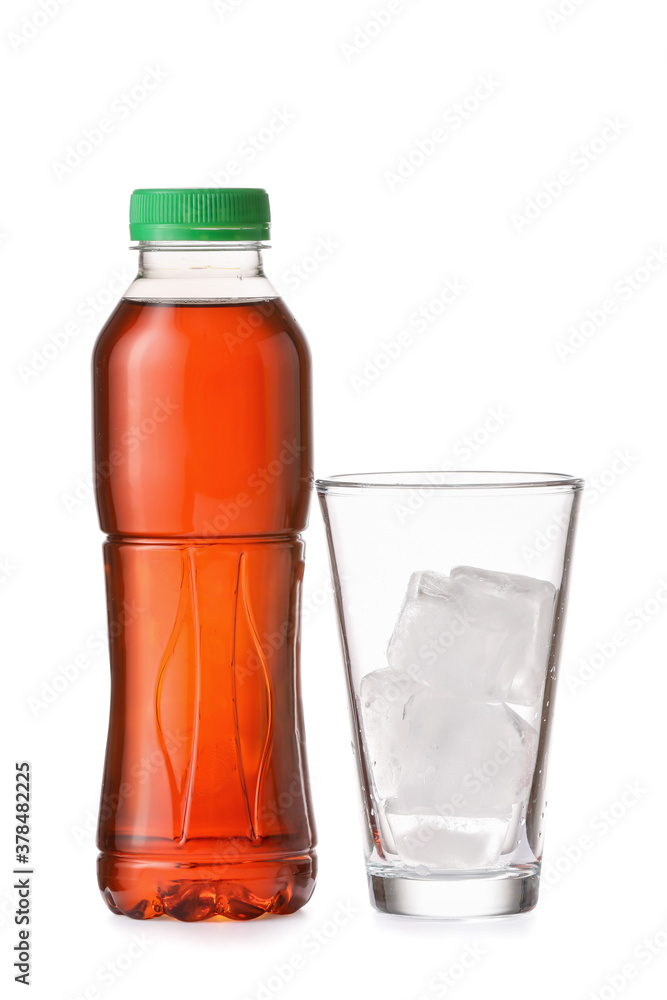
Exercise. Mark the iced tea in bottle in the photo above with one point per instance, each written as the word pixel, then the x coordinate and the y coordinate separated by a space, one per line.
pixel 203 477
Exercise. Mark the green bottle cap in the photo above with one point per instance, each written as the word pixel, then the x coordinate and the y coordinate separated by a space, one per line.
pixel 200 214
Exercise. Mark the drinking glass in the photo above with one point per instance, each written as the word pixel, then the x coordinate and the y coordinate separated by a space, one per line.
pixel 451 591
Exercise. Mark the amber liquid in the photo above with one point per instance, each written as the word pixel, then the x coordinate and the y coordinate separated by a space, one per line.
pixel 203 462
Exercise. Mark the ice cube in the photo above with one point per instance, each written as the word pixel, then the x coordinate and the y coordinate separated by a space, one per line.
pixel 514 829
pixel 448 842
pixel 477 633
pixel 430 628
pixel 465 773
pixel 518 612
pixel 383 697
pixel 462 758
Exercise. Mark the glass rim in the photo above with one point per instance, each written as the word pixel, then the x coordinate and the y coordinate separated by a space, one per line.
pixel 451 480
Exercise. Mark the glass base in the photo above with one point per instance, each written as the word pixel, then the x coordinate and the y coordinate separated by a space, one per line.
pixel 456 897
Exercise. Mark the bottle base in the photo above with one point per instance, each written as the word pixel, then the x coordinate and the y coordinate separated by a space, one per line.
pixel 144 888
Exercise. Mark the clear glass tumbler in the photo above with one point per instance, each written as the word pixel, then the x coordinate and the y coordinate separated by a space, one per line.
pixel 451 624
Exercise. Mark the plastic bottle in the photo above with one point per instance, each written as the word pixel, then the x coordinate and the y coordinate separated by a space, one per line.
pixel 203 478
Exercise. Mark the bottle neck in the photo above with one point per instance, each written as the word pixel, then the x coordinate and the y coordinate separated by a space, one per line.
pixel 200 271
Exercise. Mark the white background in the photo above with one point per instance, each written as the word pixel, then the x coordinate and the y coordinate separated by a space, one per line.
pixel 356 104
